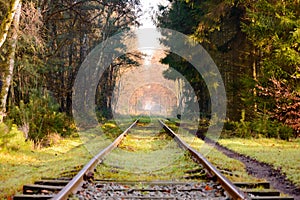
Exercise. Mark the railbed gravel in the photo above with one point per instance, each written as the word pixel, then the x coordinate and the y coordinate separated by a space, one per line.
pixel 116 191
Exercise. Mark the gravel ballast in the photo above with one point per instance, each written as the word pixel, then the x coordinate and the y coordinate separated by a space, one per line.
pixel 204 190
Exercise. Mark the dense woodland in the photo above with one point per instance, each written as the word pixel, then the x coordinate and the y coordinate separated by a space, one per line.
pixel 43 44
pixel 255 44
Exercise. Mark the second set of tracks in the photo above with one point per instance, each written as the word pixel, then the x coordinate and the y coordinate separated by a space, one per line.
pixel 84 186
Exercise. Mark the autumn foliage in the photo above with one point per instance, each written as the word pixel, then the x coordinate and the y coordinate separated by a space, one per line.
pixel 285 103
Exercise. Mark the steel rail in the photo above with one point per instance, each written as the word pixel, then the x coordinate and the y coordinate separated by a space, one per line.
pixel 73 186
pixel 232 190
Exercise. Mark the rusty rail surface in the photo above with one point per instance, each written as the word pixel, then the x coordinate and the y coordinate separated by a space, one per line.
pixel 77 181
pixel 231 189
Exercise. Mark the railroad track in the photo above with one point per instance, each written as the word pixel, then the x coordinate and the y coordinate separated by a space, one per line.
pixel 211 185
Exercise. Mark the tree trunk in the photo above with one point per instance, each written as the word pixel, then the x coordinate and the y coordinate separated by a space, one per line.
pixel 8 72
pixel 254 73
pixel 6 23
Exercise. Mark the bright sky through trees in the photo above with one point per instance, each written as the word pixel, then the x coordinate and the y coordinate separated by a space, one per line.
pixel 148 9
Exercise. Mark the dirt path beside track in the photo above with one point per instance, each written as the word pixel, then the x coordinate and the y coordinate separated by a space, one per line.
pixel 259 169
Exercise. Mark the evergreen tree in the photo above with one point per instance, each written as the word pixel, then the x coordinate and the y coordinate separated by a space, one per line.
pixel 183 18
pixel 274 29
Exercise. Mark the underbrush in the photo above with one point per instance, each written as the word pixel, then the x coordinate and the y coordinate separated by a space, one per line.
pixel 11 139
pixel 40 120
pixel 262 126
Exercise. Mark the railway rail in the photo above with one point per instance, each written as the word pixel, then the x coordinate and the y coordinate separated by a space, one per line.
pixel 233 191
pixel 106 189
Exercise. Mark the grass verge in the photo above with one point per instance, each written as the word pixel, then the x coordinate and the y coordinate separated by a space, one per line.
pixel 20 164
pixel 233 169
pixel 25 166
pixel 283 155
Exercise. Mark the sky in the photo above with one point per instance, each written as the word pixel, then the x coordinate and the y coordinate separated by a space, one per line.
pixel 147 9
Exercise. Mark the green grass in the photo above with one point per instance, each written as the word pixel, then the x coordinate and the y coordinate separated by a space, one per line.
pixel 25 166
pixel 159 163
pixel 284 155
pixel 144 119
pixel 21 164
pixel 146 155
pixel 233 169
pixel 175 170
pixel 162 160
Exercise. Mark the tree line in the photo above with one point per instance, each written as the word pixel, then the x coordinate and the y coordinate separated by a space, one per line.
pixel 256 46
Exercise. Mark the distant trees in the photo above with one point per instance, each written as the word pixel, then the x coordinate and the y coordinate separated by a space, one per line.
pixel 75 28
pixel 254 44
pixel 107 90
pixel 181 17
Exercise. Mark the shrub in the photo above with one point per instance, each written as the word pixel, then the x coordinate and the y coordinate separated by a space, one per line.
pixel 42 116
pixel 261 126
pixel 4 135
pixel 271 128
pixel 285 104
pixel 243 129
pixel 12 138
pixel 230 126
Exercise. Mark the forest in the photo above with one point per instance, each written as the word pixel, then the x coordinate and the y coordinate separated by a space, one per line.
pixel 256 48
pixel 255 45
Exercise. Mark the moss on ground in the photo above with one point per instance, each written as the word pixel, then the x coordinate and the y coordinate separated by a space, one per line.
pixel 146 155
pixel 141 144
pixel 24 165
